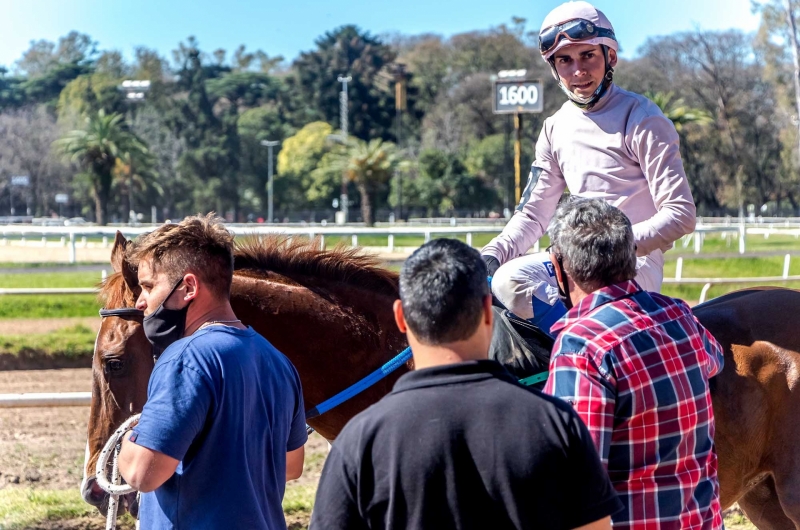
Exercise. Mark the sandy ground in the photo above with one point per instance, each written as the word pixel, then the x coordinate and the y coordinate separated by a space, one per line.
pixel 44 447
pixel 24 326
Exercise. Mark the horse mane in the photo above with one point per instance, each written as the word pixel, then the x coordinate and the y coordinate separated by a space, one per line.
pixel 114 292
pixel 293 256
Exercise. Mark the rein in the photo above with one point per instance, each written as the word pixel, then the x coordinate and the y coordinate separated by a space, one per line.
pixel 112 447
pixel 113 485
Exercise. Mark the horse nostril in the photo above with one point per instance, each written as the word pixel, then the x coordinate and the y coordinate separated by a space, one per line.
pixel 93 494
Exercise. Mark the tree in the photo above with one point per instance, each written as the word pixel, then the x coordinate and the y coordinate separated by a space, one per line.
pixel 677 111
pixel 444 185
pixel 369 165
pixel 349 51
pixel 43 56
pixel 299 157
pixel 97 149
pixel 256 125
pixel 28 135
pixel 211 142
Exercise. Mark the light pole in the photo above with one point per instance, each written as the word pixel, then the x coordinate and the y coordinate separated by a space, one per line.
pixel 269 145
pixel 343 119
pixel 399 107
pixel 135 91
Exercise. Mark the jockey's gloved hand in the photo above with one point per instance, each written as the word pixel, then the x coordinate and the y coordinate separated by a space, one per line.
pixel 492 264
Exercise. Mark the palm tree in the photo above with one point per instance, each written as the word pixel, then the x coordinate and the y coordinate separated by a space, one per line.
pixel 97 149
pixel 677 111
pixel 369 165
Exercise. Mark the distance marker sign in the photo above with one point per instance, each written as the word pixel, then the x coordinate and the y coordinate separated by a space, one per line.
pixel 517 96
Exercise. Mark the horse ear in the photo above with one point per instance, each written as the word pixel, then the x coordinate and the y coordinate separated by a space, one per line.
pixel 118 252
pixel 120 263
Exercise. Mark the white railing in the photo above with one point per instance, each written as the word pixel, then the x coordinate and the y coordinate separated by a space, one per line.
pixel 46 399
pixel 75 236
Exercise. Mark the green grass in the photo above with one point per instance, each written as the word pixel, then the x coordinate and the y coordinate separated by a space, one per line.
pixel 50 279
pixel 23 508
pixel 735 520
pixel 732 267
pixel 76 341
pixel 753 243
pixel 20 508
pixel 49 306
pixel 46 306
pixel 299 498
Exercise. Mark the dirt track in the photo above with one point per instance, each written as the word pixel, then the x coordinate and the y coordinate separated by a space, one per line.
pixel 44 447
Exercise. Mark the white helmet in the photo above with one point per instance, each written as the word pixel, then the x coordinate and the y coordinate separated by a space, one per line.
pixel 578 22
pixel 598 30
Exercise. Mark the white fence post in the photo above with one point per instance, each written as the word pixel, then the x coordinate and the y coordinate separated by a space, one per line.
pixel 322 242
pixel 698 242
pixel 742 236
pixel 72 258
pixel 786 261
pixel 354 240
pixel 391 243
pixel 427 235
pixel 704 292
pixel 469 238
pixel 679 269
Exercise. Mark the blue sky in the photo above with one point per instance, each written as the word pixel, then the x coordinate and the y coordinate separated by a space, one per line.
pixel 290 26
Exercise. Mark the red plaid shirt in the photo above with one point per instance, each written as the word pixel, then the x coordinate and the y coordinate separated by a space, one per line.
pixel 635 365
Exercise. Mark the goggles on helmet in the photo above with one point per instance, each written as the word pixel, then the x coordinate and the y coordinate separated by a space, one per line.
pixel 575 30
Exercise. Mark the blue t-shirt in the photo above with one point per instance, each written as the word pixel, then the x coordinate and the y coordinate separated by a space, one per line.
pixel 229 406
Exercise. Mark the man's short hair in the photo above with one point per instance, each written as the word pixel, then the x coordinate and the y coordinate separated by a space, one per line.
pixel 198 244
pixel 595 241
pixel 442 288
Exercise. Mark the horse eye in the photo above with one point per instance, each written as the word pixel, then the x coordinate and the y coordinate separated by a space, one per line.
pixel 114 366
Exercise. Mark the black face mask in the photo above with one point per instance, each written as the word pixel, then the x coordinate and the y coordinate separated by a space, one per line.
pixel 164 326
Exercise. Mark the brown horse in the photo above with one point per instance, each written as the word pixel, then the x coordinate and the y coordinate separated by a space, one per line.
pixel 330 313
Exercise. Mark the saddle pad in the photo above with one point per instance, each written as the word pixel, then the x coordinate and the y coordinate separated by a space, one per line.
pixel 522 348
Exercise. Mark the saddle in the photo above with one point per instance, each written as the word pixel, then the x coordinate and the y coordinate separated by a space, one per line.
pixel 522 348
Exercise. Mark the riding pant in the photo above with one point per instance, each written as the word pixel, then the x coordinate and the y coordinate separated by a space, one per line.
pixel 518 281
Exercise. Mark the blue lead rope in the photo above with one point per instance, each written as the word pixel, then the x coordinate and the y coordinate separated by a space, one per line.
pixel 399 360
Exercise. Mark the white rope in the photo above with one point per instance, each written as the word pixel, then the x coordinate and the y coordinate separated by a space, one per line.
pixel 113 486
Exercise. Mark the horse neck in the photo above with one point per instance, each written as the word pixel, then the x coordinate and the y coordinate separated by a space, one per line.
pixel 334 333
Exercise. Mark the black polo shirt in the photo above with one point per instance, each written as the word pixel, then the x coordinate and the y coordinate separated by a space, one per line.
pixel 463 446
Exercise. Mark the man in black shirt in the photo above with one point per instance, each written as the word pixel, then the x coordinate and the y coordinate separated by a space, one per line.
pixel 458 443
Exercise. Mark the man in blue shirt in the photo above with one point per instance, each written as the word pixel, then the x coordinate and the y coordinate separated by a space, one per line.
pixel 223 428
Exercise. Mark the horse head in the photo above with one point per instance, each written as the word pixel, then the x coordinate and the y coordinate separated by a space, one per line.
pixel 121 367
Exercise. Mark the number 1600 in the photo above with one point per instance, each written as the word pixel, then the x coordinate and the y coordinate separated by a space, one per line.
pixel 519 95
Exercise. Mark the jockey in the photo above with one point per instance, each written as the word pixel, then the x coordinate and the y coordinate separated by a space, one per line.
pixel 605 142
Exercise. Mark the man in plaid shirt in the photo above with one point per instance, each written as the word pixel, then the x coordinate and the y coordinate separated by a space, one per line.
pixel 635 366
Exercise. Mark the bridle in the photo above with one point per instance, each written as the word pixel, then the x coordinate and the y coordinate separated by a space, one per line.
pixel 112 486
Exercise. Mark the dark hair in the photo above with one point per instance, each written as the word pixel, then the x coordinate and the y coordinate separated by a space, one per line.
pixel 442 288
pixel 199 244
pixel 595 241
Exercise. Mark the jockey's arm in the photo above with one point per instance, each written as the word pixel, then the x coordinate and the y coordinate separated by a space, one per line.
pixel 537 205
pixel 144 469
pixel 656 145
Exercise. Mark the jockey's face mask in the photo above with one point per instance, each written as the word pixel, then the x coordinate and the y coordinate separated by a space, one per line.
pixel 563 291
